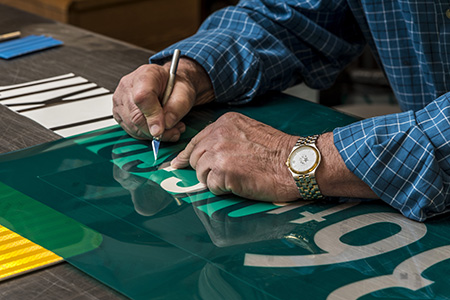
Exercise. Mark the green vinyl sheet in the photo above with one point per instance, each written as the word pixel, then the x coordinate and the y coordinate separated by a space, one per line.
pixel 157 233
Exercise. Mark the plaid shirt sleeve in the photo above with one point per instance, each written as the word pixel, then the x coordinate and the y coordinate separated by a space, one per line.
pixel 404 158
pixel 270 45
pixel 266 45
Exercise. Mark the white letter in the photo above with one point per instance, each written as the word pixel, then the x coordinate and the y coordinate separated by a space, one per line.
pixel 328 239
pixel 406 275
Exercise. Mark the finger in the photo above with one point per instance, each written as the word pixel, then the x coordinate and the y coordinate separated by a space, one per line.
pixel 125 111
pixel 174 134
pixel 120 91
pixel 145 94
pixel 119 107
pixel 116 114
pixel 137 122
pixel 182 159
pixel 130 127
pixel 203 167
pixel 135 132
pixel 216 183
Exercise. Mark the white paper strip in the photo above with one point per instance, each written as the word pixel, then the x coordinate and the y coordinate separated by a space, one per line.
pixel 66 132
pixel 7 87
pixel 72 112
pixel 43 96
pixel 18 108
pixel 41 87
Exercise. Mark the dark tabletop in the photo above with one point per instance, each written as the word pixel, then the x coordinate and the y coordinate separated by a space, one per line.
pixel 97 58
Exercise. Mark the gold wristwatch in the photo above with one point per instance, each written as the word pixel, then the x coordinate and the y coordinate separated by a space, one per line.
pixel 302 163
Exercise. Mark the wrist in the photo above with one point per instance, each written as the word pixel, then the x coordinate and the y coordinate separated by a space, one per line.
pixel 333 176
pixel 287 181
pixel 198 78
pixel 303 162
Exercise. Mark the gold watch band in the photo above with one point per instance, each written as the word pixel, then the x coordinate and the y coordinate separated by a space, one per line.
pixel 308 187
pixel 306 183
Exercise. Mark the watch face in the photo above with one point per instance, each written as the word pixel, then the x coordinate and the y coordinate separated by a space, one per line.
pixel 304 159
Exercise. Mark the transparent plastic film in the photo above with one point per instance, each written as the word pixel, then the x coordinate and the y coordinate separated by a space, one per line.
pixel 102 202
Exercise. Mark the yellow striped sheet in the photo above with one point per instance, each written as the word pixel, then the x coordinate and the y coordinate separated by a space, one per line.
pixel 19 255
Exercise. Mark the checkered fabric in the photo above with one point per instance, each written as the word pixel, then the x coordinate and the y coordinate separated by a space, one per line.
pixel 270 45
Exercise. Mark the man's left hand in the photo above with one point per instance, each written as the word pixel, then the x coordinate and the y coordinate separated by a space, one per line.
pixel 239 155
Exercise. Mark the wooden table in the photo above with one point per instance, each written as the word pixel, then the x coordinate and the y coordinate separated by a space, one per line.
pixel 99 59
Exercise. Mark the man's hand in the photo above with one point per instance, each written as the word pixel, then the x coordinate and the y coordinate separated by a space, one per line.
pixel 136 101
pixel 242 156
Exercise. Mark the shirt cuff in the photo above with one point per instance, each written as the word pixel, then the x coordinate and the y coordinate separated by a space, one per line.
pixel 395 158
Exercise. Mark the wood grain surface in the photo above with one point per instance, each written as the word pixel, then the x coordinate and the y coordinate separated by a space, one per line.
pixel 99 59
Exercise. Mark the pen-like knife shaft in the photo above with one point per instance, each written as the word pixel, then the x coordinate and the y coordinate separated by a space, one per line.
pixel 167 92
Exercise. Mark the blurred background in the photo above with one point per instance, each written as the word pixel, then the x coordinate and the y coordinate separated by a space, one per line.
pixel 361 90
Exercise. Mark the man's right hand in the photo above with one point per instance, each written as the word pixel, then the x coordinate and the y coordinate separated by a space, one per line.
pixel 136 101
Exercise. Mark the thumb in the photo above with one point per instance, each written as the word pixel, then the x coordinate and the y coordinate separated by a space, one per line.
pixel 182 159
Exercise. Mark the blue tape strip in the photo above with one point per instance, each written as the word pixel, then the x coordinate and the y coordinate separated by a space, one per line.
pixel 26 45
pixel 18 42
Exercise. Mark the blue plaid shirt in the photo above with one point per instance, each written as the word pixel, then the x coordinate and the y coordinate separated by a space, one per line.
pixel 270 45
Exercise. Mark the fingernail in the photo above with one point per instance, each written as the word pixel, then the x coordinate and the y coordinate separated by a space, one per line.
pixel 170 120
pixel 155 130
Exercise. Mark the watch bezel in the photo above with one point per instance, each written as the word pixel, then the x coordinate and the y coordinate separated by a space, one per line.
pixel 312 168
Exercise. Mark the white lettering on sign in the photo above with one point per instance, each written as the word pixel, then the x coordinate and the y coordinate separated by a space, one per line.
pixel 328 239
pixel 319 216
pixel 285 207
pixel 406 275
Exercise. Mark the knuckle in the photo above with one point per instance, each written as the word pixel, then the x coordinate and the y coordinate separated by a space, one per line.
pixel 230 115
pixel 195 140
pixel 137 118
pixel 140 97
pixel 221 133
pixel 222 162
pixel 216 150
pixel 124 81
pixel 145 68
pixel 212 183
pixel 142 68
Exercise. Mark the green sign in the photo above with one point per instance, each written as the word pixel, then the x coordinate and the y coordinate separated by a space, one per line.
pixel 160 234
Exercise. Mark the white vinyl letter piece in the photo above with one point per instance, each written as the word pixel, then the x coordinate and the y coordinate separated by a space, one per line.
pixel 171 185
